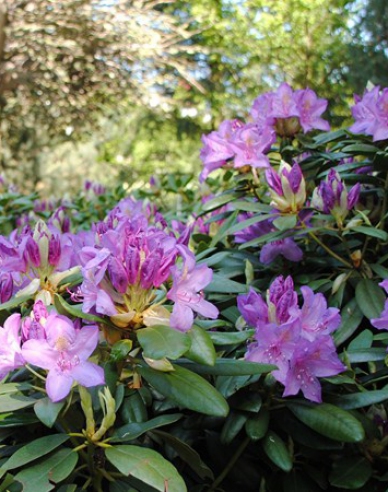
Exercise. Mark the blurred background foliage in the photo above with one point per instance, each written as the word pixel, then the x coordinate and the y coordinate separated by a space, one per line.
pixel 115 91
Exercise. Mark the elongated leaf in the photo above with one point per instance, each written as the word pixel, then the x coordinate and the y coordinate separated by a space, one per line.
pixel 202 349
pixel 12 402
pixel 9 388
pixel 366 355
pixel 218 202
pixel 351 316
pixel 330 421
pixel 359 400
pixel 230 338
pixel 133 430
pixel 229 385
pixel 14 302
pixel 371 231
pixel 370 298
pixel 221 284
pixel 256 427
pixel 188 390
pixel 234 422
pixel 47 411
pixel 16 419
pixel 228 367
pixel 162 341
pixel 146 465
pixel 44 475
pixel 187 454
pixel 34 450
pixel 245 206
pixel 285 222
pixel 350 473
pixel 277 451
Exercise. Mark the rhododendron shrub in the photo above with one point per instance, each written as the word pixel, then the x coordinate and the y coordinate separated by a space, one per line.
pixel 222 333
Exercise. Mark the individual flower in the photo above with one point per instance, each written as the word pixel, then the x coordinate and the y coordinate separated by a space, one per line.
pixel 310 360
pixel 10 352
pixel 251 145
pixel 286 247
pixel 332 197
pixel 371 114
pixel 64 352
pixel 186 292
pixel 381 323
pixel 287 188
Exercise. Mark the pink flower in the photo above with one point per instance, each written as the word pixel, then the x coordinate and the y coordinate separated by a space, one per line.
pixel 10 352
pixel 64 354
pixel 186 292
pixel 371 114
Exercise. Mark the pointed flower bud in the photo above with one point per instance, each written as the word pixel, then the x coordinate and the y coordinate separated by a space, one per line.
pixel 287 188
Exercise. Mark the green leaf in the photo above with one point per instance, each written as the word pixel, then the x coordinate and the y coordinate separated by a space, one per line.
pixel 11 402
pixel 218 202
pixel 50 471
pixel 187 389
pixel 285 222
pixel 362 341
pixel 163 341
pixel 370 298
pixel 120 350
pixel 34 450
pixel 371 231
pixel 229 385
pixel 350 473
pixel 202 349
pixel 228 367
pixel 133 409
pixel 366 355
pixel 48 411
pixel 16 419
pixel 359 400
pixel 14 302
pixel 230 338
pixel 277 451
pixel 329 421
pixel 187 454
pixel 360 148
pixel 146 465
pixel 234 422
pixel 224 285
pixel 351 317
pixel 9 388
pixel 256 427
pixel 133 430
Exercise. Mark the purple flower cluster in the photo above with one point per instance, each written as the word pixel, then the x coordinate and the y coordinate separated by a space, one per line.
pixel 283 112
pixel 289 112
pixel 294 338
pixel 371 114
pixel 381 323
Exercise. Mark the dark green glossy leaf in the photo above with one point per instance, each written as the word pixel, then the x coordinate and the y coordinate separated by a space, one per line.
pixel 120 350
pixel 16 419
pixel 359 400
pixel 48 472
pixel 48 411
pixel 234 422
pixel 366 355
pixel 221 284
pixel 256 427
pixel 277 451
pixel 230 338
pixel 351 317
pixel 371 231
pixel 34 450
pixel 363 341
pixel 328 420
pixel 13 401
pixel 370 298
pixel 228 367
pixel 187 454
pixel 187 389
pixel 146 465
pixel 350 473
pixel 162 341
pixel 132 431
pixel 285 222
pixel 201 349
pixel 133 409
pixel 229 385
